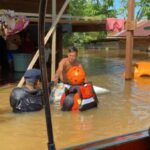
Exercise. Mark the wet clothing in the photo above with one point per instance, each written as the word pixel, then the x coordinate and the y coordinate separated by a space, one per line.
pixel 25 100
pixel 81 97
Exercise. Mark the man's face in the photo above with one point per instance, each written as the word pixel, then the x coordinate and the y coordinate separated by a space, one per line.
pixel 72 56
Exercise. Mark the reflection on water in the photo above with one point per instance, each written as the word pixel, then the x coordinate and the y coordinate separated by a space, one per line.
pixel 125 109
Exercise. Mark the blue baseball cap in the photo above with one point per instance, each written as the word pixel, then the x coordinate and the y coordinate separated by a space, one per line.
pixel 32 74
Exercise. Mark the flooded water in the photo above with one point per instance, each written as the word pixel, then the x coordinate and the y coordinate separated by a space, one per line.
pixel 125 109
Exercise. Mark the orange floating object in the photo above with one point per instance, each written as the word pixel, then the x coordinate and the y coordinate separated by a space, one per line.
pixel 76 75
pixel 77 101
pixel 142 68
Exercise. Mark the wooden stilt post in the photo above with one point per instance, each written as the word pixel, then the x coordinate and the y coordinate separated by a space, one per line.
pixel 129 40
pixel 45 40
pixel 53 56
pixel 42 10
pixel 59 43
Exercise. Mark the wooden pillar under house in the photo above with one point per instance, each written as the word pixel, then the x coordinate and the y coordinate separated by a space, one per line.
pixel 53 59
pixel 59 44
pixel 130 26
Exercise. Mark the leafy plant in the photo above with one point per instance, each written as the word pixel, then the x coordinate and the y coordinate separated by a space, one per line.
pixel 142 9
pixel 99 8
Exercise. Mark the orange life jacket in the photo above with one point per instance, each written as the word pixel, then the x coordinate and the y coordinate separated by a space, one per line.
pixel 80 98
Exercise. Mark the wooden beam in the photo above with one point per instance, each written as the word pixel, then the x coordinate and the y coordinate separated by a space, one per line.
pixel 45 40
pixel 20 6
pixel 129 41
pixel 28 5
pixel 88 27
pixel 59 44
pixel 65 18
pixel 53 56
pixel 64 21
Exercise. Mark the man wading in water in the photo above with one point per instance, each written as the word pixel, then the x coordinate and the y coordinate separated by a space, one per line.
pixel 78 95
pixel 30 97
pixel 65 64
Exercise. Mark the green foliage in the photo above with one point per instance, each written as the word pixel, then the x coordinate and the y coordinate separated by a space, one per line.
pixel 91 8
pixel 78 39
pixel 143 7
pixel 98 8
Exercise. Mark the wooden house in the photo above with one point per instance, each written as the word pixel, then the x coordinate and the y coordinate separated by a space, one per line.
pixel 141 36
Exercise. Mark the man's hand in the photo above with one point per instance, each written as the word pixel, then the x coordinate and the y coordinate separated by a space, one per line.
pixel 51 84
pixel 55 79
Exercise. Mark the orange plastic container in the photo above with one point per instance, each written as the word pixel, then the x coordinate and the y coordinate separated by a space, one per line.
pixel 142 68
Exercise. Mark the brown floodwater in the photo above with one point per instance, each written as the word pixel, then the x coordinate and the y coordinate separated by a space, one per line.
pixel 125 109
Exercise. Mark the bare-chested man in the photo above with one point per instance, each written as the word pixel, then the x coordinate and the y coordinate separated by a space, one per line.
pixel 65 64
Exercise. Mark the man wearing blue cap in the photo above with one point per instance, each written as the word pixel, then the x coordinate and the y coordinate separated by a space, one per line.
pixel 28 98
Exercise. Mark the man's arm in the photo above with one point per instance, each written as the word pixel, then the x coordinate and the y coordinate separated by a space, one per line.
pixel 58 71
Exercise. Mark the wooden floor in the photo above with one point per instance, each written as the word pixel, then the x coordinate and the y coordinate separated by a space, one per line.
pixel 139 140
pixel 143 144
